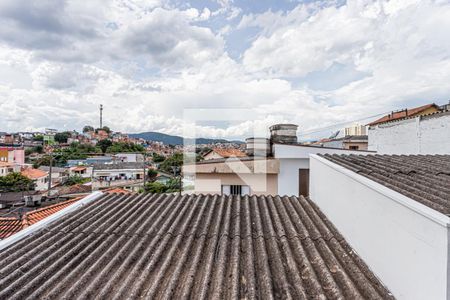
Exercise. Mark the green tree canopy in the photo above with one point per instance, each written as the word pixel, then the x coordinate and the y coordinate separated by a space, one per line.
pixel 174 161
pixel 158 158
pixel 125 147
pixel 104 145
pixel 87 128
pixel 61 137
pixel 155 187
pixel 38 138
pixel 15 182
pixel 76 179
pixel 151 173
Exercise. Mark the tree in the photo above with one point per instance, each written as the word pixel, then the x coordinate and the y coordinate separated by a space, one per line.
pixel 61 137
pixel 125 147
pixel 104 145
pixel 76 179
pixel 175 160
pixel 15 182
pixel 155 188
pixel 87 128
pixel 105 128
pixel 158 158
pixel 38 138
pixel 151 174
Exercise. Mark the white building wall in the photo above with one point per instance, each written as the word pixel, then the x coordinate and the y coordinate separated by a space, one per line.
pixel 41 184
pixel 403 242
pixel 295 157
pixel 421 135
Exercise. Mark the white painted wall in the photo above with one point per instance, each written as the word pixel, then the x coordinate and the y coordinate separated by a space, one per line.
pixel 420 135
pixel 403 242
pixel 295 157
pixel 41 183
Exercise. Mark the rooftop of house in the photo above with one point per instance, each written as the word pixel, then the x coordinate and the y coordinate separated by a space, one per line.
pixel 74 189
pixel 424 178
pixel 116 191
pixel 78 169
pixel 226 153
pixel 11 225
pixel 197 246
pixel 34 173
pixel 54 169
pixel 404 114
pixel 119 166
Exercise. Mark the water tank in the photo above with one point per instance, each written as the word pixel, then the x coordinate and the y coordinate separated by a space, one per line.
pixel 283 133
pixel 257 146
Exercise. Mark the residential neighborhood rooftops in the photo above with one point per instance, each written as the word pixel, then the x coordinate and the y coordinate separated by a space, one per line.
pixel 196 246
pixel 119 166
pixel 226 153
pixel 424 178
pixel 34 173
pixel 11 225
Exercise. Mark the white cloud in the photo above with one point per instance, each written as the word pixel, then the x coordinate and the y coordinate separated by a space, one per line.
pixel 147 62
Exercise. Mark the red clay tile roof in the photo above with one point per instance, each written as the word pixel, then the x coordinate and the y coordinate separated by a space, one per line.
pixel 117 191
pixel 226 153
pixel 188 247
pixel 76 169
pixel 403 114
pixel 34 173
pixel 9 226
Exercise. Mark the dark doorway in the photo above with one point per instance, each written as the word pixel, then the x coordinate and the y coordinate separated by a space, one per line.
pixel 303 182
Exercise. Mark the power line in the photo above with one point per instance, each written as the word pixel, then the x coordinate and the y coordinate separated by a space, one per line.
pixel 320 129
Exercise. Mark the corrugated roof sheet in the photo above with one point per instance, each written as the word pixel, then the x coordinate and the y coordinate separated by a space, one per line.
pixel 193 247
pixel 424 178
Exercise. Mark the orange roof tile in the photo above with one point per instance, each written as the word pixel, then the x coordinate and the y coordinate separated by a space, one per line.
pixel 10 226
pixel 225 153
pixel 34 173
pixel 403 114
pixel 117 191
pixel 79 169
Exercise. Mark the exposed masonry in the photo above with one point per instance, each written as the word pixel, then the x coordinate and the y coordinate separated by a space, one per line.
pixel 424 178
pixel 164 246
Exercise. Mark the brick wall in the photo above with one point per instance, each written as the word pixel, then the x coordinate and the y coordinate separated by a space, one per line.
pixel 420 135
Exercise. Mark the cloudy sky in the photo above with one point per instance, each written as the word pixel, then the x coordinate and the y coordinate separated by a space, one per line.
pixel 312 63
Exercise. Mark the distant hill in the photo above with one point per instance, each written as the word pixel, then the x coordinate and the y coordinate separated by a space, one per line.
pixel 174 139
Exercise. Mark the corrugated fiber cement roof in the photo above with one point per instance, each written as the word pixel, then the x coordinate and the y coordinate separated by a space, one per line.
pixel 193 247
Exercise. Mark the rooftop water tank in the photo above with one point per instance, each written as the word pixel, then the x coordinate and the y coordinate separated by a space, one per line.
pixel 283 133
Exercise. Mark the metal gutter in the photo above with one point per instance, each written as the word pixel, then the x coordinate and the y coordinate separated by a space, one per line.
pixel 47 221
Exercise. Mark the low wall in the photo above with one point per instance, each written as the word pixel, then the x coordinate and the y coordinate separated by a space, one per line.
pixel 403 242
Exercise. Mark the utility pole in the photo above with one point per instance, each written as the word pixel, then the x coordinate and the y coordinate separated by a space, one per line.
pixel 101 115
pixel 50 175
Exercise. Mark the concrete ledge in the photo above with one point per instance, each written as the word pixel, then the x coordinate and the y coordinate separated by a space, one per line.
pixel 47 221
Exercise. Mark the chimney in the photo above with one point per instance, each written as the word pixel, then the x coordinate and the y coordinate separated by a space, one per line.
pixel 283 133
